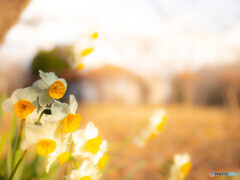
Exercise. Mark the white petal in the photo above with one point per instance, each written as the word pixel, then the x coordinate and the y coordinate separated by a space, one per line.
pixel 50 162
pixel 78 137
pixel 73 105
pixel 33 117
pixel 181 159
pixel 41 84
pixel 48 78
pixel 45 99
pixel 59 111
pixel 157 117
pixel 91 131
pixel 31 136
pixel 15 95
pixel 30 93
pixel 34 133
pixel 8 105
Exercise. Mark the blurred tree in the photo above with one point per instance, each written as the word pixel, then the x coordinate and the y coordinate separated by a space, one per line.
pixel 56 60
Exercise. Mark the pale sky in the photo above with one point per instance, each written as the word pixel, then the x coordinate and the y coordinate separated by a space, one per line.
pixel 159 36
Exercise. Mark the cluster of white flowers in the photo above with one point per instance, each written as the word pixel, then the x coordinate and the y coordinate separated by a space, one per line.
pixel 53 127
pixel 83 48
pixel 157 122
pixel 181 167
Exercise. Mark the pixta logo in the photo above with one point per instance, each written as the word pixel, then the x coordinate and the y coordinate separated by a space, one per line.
pixel 212 173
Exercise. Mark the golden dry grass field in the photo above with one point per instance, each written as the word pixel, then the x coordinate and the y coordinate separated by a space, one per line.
pixel 210 135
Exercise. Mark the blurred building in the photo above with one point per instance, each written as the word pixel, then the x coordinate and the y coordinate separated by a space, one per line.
pixel 109 84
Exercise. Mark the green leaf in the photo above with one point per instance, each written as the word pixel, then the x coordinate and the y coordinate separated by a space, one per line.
pixel 2 142
pixel 13 130
pixel 20 170
pixel 47 111
pixel 3 97
pixel 9 160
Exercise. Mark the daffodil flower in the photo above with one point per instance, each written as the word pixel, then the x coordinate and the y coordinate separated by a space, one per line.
pixel 157 122
pixel 181 167
pixel 50 126
pixel 40 136
pixel 88 144
pixel 86 172
pixel 61 152
pixel 22 102
pixel 66 114
pixel 51 87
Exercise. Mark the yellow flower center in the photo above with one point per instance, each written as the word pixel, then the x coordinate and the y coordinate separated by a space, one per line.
pixel 93 145
pixel 153 136
pixel 87 51
pixel 57 90
pixel 185 168
pixel 71 123
pixel 86 178
pixel 45 147
pixel 95 35
pixel 161 124
pixel 102 162
pixel 80 66
pixel 63 158
pixel 23 108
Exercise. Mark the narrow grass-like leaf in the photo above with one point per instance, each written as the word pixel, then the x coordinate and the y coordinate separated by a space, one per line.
pixel 13 140
pixel 9 160
pixel 134 171
pixel 20 170
pixel 13 130
pixel 3 97
pixel 107 169
pixel 16 156
pixel 2 143
pixel 121 148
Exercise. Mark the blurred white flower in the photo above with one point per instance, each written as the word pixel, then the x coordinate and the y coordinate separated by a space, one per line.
pixel 157 122
pixel 22 102
pixel 88 144
pixel 51 87
pixel 181 167
pixel 83 48
pixel 86 172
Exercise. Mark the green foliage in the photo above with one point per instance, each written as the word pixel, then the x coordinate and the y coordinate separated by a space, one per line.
pixel 54 60
pixel 164 169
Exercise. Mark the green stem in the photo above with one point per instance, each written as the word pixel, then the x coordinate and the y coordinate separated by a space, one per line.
pixel 40 116
pixel 71 148
pixel 17 165
pixel 19 138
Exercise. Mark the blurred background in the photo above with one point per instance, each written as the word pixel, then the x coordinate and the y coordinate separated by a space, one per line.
pixel 183 56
